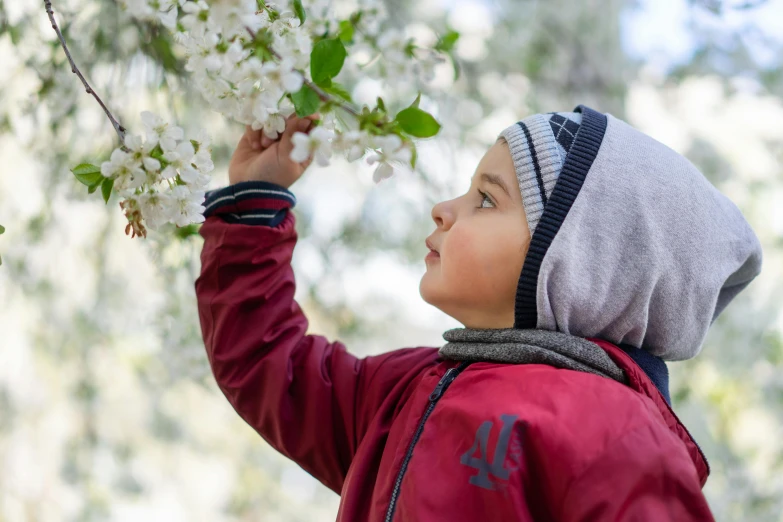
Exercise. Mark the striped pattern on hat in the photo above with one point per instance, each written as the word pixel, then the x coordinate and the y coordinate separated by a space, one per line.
pixel 539 145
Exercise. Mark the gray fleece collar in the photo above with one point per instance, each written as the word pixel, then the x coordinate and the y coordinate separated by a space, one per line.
pixel 529 346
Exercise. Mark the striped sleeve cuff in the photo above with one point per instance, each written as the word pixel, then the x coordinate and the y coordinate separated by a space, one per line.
pixel 250 203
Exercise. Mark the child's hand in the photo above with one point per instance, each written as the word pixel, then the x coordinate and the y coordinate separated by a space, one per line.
pixel 270 161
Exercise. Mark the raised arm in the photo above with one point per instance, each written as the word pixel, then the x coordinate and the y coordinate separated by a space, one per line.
pixel 308 397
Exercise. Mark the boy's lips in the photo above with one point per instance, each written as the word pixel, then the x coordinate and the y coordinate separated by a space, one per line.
pixel 433 254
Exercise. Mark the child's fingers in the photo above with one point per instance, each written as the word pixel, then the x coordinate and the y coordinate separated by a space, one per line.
pixel 253 137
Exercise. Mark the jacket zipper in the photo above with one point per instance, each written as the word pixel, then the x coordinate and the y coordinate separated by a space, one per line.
pixel 444 383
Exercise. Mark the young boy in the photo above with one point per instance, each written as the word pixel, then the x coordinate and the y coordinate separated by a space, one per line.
pixel 584 254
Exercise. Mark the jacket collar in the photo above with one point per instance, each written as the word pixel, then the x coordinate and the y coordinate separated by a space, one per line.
pixel 533 346
pixel 529 346
pixel 640 382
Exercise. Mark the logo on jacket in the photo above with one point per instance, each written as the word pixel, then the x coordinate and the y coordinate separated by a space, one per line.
pixel 506 458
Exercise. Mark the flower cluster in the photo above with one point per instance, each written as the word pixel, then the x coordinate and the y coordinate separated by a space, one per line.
pixel 162 177
pixel 257 63
pixel 253 84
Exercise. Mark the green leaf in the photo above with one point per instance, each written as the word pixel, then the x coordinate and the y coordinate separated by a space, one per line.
pixel 263 54
pixel 327 59
pixel 160 49
pixel 15 33
pixel 338 90
pixel 300 12
pixel 306 101
pixel 417 122
pixel 414 156
pixel 2 229
pixel 87 174
pixel 187 231
pixel 381 105
pixel 447 41
pixel 456 66
pixel 106 187
pixel 93 188
pixel 346 32
pixel 416 101
pixel 157 153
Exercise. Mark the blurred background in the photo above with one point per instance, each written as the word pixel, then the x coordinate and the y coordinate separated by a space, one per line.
pixel 108 409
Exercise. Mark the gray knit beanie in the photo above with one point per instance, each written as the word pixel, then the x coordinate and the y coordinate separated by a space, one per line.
pixel 539 145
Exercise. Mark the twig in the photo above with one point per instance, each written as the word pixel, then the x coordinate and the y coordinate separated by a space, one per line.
pixel 117 127
pixel 321 94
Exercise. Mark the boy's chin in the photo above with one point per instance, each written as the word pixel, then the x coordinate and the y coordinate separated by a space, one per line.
pixel 425 288
pixel 431 291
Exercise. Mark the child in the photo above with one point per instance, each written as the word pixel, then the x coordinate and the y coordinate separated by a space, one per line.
pixel 552 403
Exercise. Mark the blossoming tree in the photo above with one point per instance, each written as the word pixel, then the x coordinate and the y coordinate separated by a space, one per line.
pixel 257 63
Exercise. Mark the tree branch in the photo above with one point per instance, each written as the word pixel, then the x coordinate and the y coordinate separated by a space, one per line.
pixel 117 127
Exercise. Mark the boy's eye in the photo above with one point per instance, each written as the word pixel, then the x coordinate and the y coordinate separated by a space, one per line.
pixel 485 197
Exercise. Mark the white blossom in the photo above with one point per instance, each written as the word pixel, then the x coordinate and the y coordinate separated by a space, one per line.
pixel 138 9
pixel 250 75
pixel 164 11
pixel 203 139
pixel 124 170
pixel 353 143
pixel 203 53
pixel 168 18
pixel 294 45
pixel 233 56
pixel 186 206
pixel 315 144
pixel 392 149
pixel 156 207
pixel 192 21
pixel 180 159
pixel 140 152
pixel 231 16
pixel 382 172
pixel 281 77
pixel 268 119
pixel 158 130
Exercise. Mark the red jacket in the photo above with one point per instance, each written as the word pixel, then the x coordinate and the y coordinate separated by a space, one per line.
pixel 407 436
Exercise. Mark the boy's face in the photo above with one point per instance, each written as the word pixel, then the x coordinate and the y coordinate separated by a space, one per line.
pixel 482 242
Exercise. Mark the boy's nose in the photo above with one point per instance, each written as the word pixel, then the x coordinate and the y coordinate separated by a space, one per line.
pixel 443 215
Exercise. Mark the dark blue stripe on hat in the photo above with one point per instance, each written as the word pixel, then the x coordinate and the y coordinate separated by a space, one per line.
pixel 577 163
pixel 534 157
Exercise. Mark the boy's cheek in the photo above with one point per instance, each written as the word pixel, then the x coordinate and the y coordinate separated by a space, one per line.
pixel 472 263
pixel 469 258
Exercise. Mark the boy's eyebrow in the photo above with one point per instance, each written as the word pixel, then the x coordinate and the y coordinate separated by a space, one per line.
pixel 495 180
